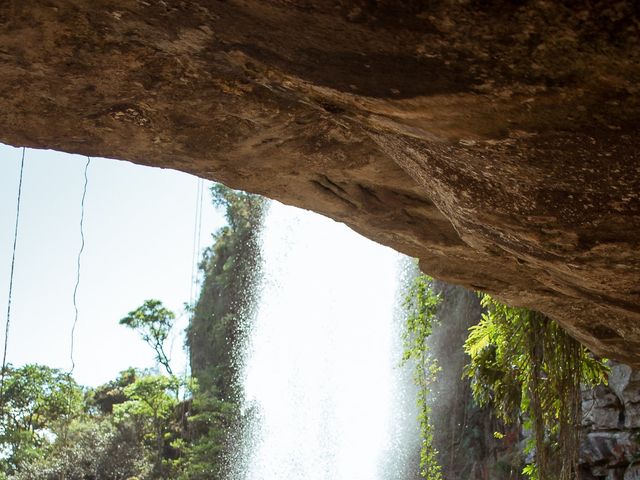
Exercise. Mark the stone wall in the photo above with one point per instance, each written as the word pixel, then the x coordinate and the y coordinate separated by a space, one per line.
pixel 464 432
pixel 611 444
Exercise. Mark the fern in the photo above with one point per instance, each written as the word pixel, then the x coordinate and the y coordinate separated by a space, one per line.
pixel 531 371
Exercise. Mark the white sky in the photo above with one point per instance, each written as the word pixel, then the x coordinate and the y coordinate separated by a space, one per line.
pixel 139 226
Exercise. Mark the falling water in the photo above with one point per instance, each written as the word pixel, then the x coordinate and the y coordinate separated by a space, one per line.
pixel 322 368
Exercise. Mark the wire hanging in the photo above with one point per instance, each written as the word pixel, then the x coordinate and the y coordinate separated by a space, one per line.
pixel 197 228
pixel 199 243
pixel 75 289
pixel 13 263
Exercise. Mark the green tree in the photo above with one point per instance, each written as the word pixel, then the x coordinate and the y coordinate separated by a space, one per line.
pixel 228 292
pixel 104 397
pixel 529 369
pixel 210 421
pixel 37 402
pixel 153 322
pixel 152 400
pixel 217 329
pixel 96 448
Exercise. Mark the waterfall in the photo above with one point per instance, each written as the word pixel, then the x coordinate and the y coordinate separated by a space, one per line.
pixel 322 370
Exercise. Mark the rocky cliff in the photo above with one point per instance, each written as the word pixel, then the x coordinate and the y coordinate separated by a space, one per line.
pixel 464 433
pixel 611 443
pixel 495 140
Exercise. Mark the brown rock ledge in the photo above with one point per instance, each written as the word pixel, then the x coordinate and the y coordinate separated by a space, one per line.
pixel 497 141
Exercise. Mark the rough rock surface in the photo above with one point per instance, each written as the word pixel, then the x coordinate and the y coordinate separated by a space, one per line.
pixel 611 441
pixel 463 432
pixel 497 141
pixel 625 383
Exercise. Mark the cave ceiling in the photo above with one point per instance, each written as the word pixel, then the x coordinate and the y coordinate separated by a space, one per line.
pixel 495 141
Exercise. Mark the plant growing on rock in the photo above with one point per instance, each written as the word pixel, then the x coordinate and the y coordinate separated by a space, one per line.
pixel 421 304
pixel 530 370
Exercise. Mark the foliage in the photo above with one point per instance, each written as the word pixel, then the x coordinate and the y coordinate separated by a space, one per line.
pixel 136 426
pixel 36 401
pixel 421 304
pixel 152 401
pixel 217 329
pixel 96 448
pixel 151 395
pixel 210 420
pixel 153 322
pixel 104 397
pixel 529 369
pixel 230 266
pixel 135 433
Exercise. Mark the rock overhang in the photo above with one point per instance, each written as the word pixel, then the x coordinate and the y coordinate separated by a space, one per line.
pixel 496 141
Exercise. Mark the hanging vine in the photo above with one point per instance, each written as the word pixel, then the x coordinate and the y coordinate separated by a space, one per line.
pixel 421 304
pixel 529 369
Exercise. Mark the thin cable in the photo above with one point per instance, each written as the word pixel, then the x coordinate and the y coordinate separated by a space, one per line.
pixel 193 244
pixel 196 242
pixel 13 263
pixel 195 254
pixel 199 244
pixel 75 290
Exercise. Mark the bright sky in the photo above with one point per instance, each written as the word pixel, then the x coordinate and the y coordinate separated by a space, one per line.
pixel 139 227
